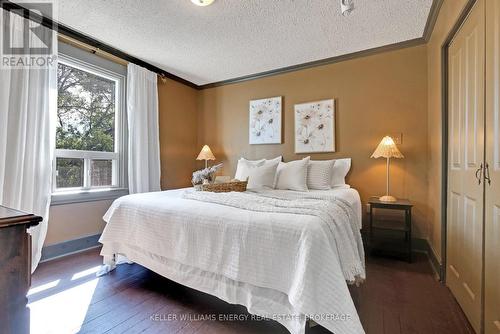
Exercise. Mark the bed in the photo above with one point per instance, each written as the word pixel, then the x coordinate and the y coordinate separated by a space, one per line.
pixel 285 255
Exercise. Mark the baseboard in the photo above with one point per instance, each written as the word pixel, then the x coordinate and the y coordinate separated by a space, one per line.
pixel 69 247
pixel 423 246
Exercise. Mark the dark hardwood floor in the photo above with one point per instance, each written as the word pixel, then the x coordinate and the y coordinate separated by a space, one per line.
pixel 66 297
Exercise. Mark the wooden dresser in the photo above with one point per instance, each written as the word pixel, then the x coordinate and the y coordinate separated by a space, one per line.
pixel 15 269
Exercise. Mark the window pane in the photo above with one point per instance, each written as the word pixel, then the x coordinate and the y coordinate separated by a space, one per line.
pixel 85 110
pixel 69 173
pixel 101 173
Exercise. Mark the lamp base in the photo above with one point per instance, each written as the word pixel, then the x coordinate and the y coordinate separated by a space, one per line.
pixel 388 198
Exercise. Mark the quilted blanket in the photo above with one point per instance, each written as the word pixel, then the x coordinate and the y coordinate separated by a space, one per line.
pixel 285 256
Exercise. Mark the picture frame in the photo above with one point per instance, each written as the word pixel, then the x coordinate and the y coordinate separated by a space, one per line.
pixel 315 127
pixel 265 124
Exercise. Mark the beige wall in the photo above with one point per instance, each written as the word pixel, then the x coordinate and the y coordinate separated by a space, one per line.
pixel 178 128
pixel 73 221
pixel 448 15
pixel 375 95
pixel 397 91
pixel 178 120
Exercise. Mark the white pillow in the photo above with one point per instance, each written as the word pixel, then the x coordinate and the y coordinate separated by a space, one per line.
pixel 242 169
pixel 292 175
pixel 340 170
pixel 243 164
pixel 319 174
pixel 262 175
pixel 278 159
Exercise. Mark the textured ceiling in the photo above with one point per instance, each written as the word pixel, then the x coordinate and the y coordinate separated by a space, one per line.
pixel 234 38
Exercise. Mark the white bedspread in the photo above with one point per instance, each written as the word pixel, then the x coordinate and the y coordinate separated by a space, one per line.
pixel 284 264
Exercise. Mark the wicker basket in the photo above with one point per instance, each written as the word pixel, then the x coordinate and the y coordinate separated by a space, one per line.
pixel 225 187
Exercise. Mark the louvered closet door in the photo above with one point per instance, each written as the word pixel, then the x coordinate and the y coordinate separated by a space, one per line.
pixel 465 158
pixel 492 203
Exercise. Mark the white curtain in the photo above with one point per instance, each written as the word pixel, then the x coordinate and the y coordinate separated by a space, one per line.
pixel 144 141
pixel 27 107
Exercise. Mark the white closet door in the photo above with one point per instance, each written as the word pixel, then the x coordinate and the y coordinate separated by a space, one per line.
pixel 492 203
pixel 465 158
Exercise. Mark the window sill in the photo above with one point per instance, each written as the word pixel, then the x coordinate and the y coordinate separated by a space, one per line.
pixel 62 198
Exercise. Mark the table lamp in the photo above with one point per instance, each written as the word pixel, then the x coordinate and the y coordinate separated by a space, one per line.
pixel 387 149
pixel 206 154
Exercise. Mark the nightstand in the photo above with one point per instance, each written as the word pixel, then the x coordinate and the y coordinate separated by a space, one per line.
pixel 392 225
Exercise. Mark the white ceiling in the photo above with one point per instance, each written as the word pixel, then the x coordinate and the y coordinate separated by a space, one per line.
pixel 234 38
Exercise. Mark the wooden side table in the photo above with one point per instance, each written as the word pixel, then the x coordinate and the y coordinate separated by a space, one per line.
pixel 405 226
pixel 15 269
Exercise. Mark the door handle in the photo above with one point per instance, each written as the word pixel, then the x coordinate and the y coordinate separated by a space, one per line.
pixel 487 173
pixel 479 173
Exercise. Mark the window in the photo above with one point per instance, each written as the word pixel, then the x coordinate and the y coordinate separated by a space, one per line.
pixel 90 128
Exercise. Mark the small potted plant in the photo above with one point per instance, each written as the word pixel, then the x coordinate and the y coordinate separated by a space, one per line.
pixel 204 176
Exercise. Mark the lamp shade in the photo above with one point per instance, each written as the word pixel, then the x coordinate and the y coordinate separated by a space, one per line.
pixel 387 149
pixel 205 154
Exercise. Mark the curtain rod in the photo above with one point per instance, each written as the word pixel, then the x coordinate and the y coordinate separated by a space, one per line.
pixel 88 48
pixel 78 36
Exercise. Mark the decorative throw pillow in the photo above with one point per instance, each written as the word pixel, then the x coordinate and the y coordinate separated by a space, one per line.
pixel 292 175
pixel 242 169
pixel 244 164
pixel 262 176
pixel 319 174
pixel 340 170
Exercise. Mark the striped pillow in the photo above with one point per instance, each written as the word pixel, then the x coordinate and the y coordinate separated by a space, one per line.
pixel 319 174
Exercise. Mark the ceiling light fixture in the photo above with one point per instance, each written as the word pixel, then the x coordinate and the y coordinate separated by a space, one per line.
pixel 202 2
pixel 347 6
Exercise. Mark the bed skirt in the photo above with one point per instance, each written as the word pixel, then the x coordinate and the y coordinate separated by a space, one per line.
pixel 262 302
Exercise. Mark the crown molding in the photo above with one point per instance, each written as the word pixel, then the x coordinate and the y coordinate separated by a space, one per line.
pixel 432 18
pixel 429 27
pixel 92 42
pixel 321 62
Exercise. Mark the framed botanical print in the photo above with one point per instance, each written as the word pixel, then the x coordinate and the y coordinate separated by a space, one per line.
pixel 265 121
pixel 315 127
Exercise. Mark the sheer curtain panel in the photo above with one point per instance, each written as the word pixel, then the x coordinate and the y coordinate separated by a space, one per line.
pixel 27 133
pixel 144 142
